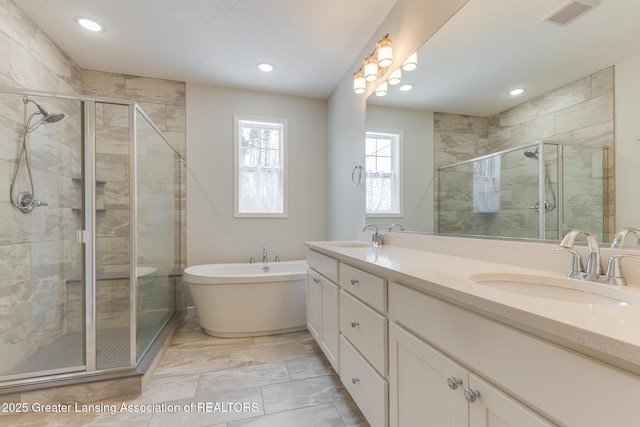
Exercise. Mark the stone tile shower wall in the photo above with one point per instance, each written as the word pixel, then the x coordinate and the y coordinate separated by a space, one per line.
pixel 37 251
pixel 577 114
pixel 165 102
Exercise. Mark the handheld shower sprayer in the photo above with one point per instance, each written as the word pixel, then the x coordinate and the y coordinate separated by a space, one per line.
pixel 25 201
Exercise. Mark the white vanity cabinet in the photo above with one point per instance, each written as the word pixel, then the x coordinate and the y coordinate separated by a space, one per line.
pixel 322 304
pixel 363 347
pixel 426 385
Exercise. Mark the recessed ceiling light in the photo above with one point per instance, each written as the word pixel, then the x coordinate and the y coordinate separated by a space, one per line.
pixel 406 88
pixel 89 24
pixel 265 66
pixel 516 92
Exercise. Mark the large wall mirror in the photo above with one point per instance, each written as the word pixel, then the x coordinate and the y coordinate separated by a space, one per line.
pixel 458 154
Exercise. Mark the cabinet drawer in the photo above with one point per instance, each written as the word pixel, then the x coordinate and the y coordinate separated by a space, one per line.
pixel 366 329
pixel 365 286
pixel 323 264
pixel 368 389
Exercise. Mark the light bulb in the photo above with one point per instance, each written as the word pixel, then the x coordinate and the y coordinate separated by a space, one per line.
pixel 411 63
pixel 395 77
pixel 359 83
pixel 371 68
pixel 385 53
pixel 382 89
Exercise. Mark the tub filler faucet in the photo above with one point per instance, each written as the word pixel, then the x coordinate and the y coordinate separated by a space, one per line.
pixel 265 258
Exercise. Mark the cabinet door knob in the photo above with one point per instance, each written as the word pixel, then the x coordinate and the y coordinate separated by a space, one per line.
pixel 355 380
pixel 317 280
pixel 354 323
pixel 471 395
pixel 454 382
pixel 354 281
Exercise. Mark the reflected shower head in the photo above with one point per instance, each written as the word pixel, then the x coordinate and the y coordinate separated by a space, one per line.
pixel 47 117
pixel 532 154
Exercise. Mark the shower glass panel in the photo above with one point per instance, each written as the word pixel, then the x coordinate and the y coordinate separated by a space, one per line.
pixel 41 262
pixel 112 220
pixel 540 190
pixel 158 230
pixel 89 237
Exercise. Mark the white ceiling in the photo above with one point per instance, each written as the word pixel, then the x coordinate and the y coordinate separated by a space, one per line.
pixel 311 43
pixel 492 46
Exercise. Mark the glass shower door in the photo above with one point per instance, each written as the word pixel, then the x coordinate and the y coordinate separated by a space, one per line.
pixel 41 259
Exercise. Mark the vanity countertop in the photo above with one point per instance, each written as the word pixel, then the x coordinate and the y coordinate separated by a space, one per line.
pixel 605 332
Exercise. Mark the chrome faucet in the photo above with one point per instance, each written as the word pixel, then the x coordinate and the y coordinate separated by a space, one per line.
pixel 614 270
pixel 594 265
pixel 621 235
pixel 376 237
pixel 395 224
pixel 264 254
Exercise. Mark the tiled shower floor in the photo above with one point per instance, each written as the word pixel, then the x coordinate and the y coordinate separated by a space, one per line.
pixel 112 351
pixel 280 381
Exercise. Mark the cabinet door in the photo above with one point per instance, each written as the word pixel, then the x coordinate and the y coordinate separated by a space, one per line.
pixel 419 391
pixel 314 304
pixel 330 331
pixel 493 408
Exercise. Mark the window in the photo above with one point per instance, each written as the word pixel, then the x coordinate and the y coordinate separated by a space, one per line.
pixel 260 167
pixel 383 183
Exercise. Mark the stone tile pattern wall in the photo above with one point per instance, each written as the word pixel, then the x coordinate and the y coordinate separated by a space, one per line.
pixel 577 114
pixel 38 253
pixel 38 250
pixel 164 102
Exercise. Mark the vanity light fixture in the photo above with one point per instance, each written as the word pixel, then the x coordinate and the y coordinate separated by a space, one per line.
pixel 265 67
pixel 89 24
pixel 516 92
pixel 411 63
pixel 374 65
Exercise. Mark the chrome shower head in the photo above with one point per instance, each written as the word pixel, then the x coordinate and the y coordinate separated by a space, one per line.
pixel 47 117
pixel 532 154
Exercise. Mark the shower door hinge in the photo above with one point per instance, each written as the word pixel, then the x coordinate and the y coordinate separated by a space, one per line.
pixel 82 236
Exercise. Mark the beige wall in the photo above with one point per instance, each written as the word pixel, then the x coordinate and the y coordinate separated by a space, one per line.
pixel 213 234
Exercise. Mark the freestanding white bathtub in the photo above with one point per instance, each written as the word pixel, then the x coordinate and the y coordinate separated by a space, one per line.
pixel 239 300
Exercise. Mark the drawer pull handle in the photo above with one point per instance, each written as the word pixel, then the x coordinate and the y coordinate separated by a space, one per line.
pixel 471 395
pixel 454 382
pixel 354 323
pixel 354 281
pixel 355 380
pixel 315 279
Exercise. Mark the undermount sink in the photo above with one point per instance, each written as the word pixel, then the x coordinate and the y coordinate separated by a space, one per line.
pixel 351 244
pixel 558 288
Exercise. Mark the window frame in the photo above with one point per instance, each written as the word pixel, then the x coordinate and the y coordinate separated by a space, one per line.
pixel 239 119
pixel 396 158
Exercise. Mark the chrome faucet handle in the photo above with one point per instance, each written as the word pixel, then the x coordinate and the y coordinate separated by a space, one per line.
pixel 621 235
pixel 394 225
pixel 576 269
pixel 614 270
pixel 376 236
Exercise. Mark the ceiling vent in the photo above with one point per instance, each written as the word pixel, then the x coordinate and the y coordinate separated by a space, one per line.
pixel 570 10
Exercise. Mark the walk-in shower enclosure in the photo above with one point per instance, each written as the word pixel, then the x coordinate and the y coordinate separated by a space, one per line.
pixel 88 268
pixel 539 190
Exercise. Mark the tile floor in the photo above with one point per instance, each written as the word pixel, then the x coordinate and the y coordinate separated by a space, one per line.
pixel 280 381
